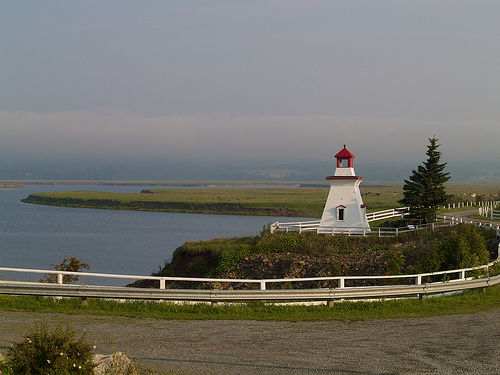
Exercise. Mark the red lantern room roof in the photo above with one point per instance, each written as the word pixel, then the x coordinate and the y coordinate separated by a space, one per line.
pixel 345 154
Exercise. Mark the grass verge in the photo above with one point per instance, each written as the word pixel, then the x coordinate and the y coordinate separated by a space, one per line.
pixel 468 302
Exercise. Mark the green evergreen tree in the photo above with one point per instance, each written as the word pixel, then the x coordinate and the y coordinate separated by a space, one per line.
pixel 425 191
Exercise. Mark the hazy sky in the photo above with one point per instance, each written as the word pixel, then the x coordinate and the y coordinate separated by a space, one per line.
pixel 270 80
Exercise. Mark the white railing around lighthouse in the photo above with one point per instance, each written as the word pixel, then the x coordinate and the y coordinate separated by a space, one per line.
pixel 443 221
pixel 315 225
pixel 387 214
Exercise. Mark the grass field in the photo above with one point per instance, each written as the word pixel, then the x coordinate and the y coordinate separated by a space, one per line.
pixel 278 201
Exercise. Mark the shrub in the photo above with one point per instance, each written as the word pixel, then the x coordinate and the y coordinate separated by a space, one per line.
pixel 45 352
pixel 494 270
pixel 281 242
pixel 4 369
pixel 233 255
pixel 71 265
pixel 425 259
pixel 198 266
pixel 395 262
pixel 464 248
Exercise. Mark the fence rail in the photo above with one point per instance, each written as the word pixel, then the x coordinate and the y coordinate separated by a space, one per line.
pixel 422 285
pixel 387 214
pixel 470 204
pixel 443 221
pixel 495 214
pixel 314 225
pixel 214 295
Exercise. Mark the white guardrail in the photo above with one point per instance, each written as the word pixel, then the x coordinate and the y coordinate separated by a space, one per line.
pixel 422 285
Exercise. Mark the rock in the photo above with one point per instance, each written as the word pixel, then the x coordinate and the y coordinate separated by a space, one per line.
pixel 117 363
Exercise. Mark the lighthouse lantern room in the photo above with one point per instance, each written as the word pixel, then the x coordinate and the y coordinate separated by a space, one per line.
pixel 344 209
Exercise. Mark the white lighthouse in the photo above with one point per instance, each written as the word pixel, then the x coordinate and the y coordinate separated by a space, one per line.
pixel 344 209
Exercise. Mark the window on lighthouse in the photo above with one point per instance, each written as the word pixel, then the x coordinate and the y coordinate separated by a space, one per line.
pixel 344 163
pixel 340 213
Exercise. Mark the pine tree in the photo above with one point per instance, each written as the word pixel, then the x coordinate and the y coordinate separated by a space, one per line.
pixel 425 191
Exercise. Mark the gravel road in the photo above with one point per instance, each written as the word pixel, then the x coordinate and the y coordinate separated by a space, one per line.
pixel 456 344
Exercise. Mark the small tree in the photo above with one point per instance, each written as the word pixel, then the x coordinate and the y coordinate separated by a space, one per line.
pixel 72 265
pixel 425 191
pixel 465 247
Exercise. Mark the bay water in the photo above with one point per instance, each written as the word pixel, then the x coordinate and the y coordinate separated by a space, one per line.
pixel 118 242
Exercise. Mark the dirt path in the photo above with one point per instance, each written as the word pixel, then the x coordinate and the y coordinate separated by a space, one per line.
pixel 457 344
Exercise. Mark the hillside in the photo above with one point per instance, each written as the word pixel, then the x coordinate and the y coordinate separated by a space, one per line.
pixel 293 255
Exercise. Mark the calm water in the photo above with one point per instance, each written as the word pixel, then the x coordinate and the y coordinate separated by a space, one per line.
pixel 123 242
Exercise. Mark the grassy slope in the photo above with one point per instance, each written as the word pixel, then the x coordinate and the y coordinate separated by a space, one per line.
pixel 469 302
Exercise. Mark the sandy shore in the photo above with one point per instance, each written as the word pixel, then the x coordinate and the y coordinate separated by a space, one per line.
pixel 456 344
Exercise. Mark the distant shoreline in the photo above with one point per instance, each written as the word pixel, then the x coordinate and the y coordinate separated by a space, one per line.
pixel 21 183
pixel 7 185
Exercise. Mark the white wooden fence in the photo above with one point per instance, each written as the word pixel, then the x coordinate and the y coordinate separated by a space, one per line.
pixel 387 214
pixel 489 212
pixel 469 204
pixel 443 221
pixel 314 225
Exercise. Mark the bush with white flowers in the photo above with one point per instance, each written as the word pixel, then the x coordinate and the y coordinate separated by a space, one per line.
pixel 42 351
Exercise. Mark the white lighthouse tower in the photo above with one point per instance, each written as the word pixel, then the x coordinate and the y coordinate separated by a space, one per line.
pixel 344 209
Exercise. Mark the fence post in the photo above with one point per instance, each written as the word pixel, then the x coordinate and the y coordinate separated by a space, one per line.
pixel 59 278
pixel 341 282
pixel 418 281
pixel 162 283
pixel 262 285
